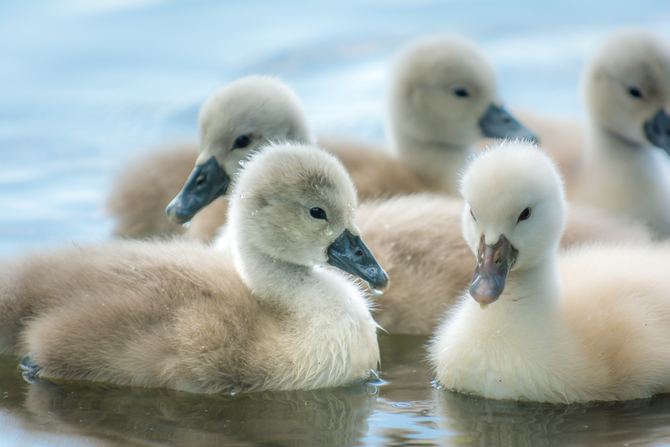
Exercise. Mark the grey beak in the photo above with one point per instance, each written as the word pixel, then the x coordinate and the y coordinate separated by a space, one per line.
pixel 349 253
pixel 493 265
pixel 657 130
pixel 498 123
pixel 207 182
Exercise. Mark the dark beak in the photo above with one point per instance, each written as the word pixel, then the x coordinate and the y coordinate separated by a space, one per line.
pixel 657 130
pixel 207 182
pixel 350 254
pixel 493 264
pixel 498 123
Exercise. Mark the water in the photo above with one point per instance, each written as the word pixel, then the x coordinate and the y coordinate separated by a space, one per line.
pixel 86 87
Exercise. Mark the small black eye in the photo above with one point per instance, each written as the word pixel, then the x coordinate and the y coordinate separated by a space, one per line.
pixel 318 213
pixel 525 214
pixel 241 142
pixel 461 92
pixel 635 92
pixel 473 215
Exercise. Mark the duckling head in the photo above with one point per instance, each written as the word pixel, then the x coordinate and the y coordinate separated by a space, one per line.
pixel 514 213
pixel 296 204
pixel 627 88
pixel 444 92
pixel 234 122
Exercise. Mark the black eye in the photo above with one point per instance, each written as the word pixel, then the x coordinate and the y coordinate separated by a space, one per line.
pixel 318 213
pixel 461 92
pixel 635 92
pixel 241 142
pixel 473 215
pixel 525 214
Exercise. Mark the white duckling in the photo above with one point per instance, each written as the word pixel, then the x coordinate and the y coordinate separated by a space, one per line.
pixel 267 315
pixel 587 325
pixel 442 101
pixel 627 95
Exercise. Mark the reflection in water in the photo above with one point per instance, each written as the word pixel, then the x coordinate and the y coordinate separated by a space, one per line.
pixel 324 417
pixel 487 422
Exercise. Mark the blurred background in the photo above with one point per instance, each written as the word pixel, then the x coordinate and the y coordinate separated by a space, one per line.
pixel 88 86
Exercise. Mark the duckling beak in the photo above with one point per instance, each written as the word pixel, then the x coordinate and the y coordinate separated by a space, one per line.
pixel 206 183
pixel 498 123
pixel 349 253
pixel 493 264
pixel 657 130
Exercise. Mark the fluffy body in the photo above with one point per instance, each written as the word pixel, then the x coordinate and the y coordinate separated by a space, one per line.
pixel 265 315
pixel 144 189
pixel 622 173
pixel 591 324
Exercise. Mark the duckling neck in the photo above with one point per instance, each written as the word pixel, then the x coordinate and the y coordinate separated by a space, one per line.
pixel 271 280
pixel 626 178
pixel 436 162
pixel 529 293
pixel 604 144
pixel 299 290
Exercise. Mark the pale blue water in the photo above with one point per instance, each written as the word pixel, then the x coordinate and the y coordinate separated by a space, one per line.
pixel 86 86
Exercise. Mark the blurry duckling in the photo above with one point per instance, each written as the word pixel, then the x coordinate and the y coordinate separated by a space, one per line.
pixel 627 95
pixel 267 315
pixel 538 326
pixel 442 101
pixel 233 122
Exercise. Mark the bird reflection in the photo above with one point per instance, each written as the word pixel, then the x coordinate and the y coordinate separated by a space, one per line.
pixel 321 417
pixel 485 422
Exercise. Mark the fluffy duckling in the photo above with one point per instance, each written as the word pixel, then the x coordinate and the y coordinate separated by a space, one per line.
pixel 417 239
pixel 266 315
pixel 233 122
pixel 588 325
pixel 627 95
pixel 442 101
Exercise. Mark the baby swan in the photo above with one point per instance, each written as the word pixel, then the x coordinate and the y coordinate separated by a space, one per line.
pixel 266 315
pixel 587 325
pixel 627 95
pixel 233 123
pixel 442 101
